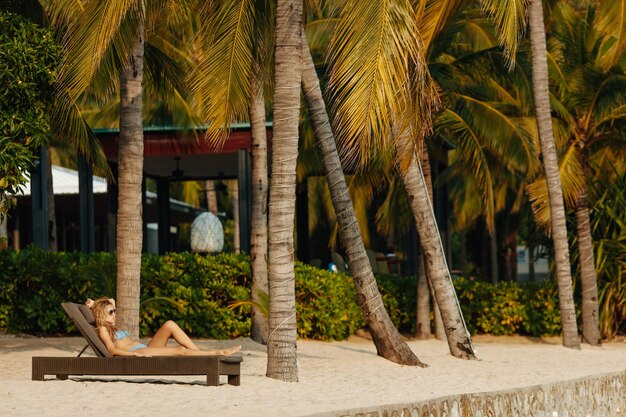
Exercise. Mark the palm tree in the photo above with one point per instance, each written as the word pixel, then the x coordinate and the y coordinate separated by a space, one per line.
pixel 234 45
pixel 510 20
pixel 258 224
pixel 222 102
pixel 591 110
pixel 93 59
pixel 551 168
pixel 378 75
pixel 388 341
pixel 281 344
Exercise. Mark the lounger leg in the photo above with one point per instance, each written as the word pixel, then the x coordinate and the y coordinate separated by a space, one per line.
pixel 37 368
pixel 234 380
pixel 213 379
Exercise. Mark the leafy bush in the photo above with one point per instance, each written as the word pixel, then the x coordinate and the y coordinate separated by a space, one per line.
pixel 197 292
pixel 326 304
pixel 193 290
pixel 509 308
pixel 29 59
pixel 399 295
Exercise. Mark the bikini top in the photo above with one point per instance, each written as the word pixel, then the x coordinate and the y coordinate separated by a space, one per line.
pixel 121 334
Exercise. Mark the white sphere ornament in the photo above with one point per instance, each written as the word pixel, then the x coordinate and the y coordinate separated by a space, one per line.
pixel 207 233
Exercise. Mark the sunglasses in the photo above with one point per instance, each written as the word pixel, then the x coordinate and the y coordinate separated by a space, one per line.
pixel 111 312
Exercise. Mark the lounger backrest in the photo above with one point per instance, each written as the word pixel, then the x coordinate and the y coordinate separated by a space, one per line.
pixel 83 318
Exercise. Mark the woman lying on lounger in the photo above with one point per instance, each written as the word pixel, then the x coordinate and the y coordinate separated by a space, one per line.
pixel 120 343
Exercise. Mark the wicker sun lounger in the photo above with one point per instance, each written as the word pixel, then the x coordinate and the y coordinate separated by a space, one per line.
pixel 106 364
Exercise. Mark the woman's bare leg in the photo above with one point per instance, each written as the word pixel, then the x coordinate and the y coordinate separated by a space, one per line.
pixel 181 351
pixel 171 329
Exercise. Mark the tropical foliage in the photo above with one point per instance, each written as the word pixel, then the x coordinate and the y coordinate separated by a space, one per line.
pixel 29 61
pixel 199 293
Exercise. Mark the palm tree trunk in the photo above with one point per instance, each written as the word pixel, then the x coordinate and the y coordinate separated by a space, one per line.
pixel 588 278
pixel 258 238
pixel 440 331
pixel 531 262
pixel 233 189
pixel 388 341
pixel 52 218
pixel 551 168
pixel 282 361
pixel 458 337
pixel 130 177
pixel 493 256
pixel 211 196
pixel 422 324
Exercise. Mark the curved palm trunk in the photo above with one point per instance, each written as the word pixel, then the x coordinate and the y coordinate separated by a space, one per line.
pixel 282 361
pixel 388 341
pixel 551 168
pixel 428 294
pixel 258 238
pixel 130 177
pixel 458 337
pixel 588 278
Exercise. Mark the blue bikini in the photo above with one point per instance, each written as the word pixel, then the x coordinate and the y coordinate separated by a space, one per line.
pixel 122 334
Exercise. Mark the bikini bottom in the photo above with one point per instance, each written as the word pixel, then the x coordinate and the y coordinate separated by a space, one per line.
pixel 139 346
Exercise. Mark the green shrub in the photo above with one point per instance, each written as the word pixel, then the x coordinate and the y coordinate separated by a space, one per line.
pixel 399 295
pixel 41 281
pixel 508 308
pixel 197 292
pixel 326 304
pixel 194 290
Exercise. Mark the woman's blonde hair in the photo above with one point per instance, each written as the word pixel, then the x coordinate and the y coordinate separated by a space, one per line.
pixel 100 309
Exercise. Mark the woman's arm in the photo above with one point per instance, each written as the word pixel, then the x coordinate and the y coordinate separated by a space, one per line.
pixel 106 339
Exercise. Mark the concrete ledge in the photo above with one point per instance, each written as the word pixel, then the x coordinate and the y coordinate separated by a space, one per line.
pixel 594 396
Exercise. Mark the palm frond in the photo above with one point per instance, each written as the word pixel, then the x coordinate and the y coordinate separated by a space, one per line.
pixel 572 179
pixel 318 34
pixel 70 128
pixel 433 16
pixel 394 217
pixel 221 81
pixel 467 203
pixel 509 18
pixel 371 52
pixel 613 21
pixel 91 34
pixel 499 133
pixel 471 156
pixel 59 13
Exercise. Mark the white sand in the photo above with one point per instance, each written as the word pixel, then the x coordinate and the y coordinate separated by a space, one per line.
pixel 333 376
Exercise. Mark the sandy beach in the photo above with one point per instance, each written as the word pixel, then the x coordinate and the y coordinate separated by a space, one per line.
pixel 333 376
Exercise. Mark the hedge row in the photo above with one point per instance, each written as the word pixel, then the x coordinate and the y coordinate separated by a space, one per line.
pixel 198 291
pixel 194 290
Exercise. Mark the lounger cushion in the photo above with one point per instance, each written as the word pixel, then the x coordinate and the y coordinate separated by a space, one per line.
pixel 88 314
pixel 75 311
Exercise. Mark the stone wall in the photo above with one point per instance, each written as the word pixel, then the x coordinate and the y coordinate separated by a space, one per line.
pixel 595 396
